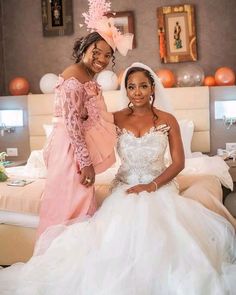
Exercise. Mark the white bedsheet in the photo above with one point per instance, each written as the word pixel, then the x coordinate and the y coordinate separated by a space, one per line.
pixel 209 165
pixel 35 168
pixel 19 219
pixel 198 164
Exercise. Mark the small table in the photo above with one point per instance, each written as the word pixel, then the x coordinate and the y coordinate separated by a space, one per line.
pixel 15 163
pixel 230 199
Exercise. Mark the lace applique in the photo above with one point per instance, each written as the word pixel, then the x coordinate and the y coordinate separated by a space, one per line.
pixel 92 111
pixel 76 103
pixel 163 128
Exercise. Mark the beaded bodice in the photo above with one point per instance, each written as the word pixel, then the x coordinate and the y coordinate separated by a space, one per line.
pixel 142 158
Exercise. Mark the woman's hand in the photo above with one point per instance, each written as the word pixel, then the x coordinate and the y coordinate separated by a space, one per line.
pixel 149 187
pixel 87 176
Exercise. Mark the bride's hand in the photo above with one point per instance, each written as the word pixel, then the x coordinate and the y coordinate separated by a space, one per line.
pixel 149 187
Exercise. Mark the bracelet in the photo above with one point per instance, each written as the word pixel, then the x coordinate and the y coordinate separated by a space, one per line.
pixel 155 184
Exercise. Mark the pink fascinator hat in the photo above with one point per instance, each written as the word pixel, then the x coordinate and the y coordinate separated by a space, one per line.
pixel 96 20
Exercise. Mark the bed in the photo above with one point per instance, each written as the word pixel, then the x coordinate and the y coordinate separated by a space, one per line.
pixel 19 206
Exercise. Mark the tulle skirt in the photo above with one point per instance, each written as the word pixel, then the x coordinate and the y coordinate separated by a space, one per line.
pixel 146 244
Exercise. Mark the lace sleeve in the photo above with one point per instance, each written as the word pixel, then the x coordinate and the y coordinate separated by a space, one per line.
pixel 72 113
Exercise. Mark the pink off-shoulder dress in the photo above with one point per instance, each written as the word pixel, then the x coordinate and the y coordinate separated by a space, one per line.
pixel 83 134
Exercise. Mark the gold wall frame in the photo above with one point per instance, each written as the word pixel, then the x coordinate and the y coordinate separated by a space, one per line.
pixel 177 33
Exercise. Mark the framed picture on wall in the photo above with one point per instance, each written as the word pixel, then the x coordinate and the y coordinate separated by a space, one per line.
pixel 177 33
pixel 124 21
pixel 57 17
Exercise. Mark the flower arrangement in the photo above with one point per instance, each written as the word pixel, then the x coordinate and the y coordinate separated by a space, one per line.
pixel 3 175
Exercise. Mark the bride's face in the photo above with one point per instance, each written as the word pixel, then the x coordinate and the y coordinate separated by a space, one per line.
pixel 139 89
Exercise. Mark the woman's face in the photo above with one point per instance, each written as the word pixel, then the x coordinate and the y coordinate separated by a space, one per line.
pixel 139 89
pixel 97 57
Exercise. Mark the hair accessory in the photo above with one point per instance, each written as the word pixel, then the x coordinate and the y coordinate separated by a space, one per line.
pixel 96 20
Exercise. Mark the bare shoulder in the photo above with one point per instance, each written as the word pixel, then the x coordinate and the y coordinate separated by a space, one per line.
pixel 74 71
pixel 120 116
pixel 166 117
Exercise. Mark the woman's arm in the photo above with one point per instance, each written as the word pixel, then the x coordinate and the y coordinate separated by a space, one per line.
pixel 176 151
pixel 72 112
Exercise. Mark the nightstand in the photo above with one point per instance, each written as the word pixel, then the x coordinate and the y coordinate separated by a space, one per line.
pixel 230 199
pixel 15 163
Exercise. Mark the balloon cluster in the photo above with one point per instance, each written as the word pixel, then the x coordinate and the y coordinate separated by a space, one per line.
pixel 185 76
pixel 224 76
pixel 193 75
pixel 21 86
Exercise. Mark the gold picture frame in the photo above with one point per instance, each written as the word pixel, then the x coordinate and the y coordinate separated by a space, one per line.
pixel 177 33
pixel 124 21
pixel 57 17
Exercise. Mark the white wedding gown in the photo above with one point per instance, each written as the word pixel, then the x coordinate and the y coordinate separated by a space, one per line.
pixel 148 244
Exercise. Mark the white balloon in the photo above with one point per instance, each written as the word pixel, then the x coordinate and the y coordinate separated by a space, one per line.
pixel 48 82
pixel 108 80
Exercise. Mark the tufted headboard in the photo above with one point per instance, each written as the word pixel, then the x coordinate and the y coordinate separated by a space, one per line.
pixel 188 103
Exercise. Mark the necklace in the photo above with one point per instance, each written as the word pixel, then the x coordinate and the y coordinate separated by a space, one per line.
pixel 89 73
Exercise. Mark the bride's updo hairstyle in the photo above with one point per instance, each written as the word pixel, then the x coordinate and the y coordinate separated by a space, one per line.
pixel 152 82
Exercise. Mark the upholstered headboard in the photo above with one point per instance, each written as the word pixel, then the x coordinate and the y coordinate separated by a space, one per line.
pixel 188 103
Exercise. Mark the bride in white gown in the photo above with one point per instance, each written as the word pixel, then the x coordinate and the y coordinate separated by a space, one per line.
pixel 145 239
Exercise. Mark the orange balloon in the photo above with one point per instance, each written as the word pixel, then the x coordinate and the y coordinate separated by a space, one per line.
pixel 209 81
pixel 19 86
pixel 167 77
pixel 225 76
pixel 120 75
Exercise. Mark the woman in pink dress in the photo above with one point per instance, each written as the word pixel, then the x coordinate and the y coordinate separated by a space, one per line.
pixel 83 138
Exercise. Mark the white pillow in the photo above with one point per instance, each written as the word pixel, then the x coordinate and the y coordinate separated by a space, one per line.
pixel 35 167
pixel 47 129
pixel 186 129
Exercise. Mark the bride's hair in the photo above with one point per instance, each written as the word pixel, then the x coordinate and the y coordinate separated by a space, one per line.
pixel 152 82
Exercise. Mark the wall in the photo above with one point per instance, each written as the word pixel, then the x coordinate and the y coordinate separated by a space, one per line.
pixel 29 54
pixel 219 133
pixel 2 82
pixel 20 137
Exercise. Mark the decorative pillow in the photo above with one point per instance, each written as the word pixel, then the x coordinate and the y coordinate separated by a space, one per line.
pixel 35 167
pixel 47 129
pixel 186 129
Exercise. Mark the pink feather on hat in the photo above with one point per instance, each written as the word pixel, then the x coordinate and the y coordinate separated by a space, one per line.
pixel 96 20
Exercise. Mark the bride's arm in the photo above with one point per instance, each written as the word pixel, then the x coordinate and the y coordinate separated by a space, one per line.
pixel 176 151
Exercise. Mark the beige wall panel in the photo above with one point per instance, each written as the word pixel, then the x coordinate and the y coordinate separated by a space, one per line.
pixel 37 142
pixel 201 142
pixel 199 117
pixel 189 97
pixel 36 124
pixel 40 104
